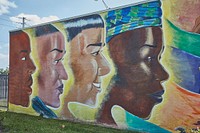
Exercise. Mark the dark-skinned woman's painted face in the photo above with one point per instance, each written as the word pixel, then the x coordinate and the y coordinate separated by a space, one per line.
pixel 136 55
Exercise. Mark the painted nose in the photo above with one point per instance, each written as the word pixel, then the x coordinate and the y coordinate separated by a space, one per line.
pixel 162 75
pixel 31 66
pixel 103 65
pixel 62 73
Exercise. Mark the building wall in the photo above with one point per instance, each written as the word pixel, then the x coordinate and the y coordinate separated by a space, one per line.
pixel 135 67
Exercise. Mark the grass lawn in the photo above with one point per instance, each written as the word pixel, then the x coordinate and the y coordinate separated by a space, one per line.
pixel 21 123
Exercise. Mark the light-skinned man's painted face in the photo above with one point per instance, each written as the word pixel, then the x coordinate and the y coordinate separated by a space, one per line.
pixel 51 49
pixel 88 64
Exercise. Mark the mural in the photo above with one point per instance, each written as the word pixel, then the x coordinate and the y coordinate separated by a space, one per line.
pixel 50 46
pixel 181 60
pixel 21 69
pixel 86 40
pixel 135 68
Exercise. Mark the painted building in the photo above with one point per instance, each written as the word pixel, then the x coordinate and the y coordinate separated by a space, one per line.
pixel 135 67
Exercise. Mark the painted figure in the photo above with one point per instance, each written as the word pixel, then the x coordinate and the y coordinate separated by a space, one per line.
pixel 135 43
pixel 181 58
pixel 21 69
pixel 183 14
pixel 86 38
pixel 139 73
pixel 51 49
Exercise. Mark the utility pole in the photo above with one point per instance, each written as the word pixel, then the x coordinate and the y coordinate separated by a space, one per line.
pixel 23 22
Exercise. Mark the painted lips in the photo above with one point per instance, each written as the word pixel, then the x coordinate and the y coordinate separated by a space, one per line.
pixel 60 88
pixel 28 85
pixel 97 85
pixel 30 81
pixel 157 96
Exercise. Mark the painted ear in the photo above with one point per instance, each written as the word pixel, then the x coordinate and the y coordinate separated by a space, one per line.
pixel 81 42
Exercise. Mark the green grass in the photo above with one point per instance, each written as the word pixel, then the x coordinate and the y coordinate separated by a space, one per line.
pixel 21 123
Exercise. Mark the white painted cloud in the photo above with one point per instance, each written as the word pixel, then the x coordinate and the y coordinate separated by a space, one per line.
pixel 32 19
pixel 5 5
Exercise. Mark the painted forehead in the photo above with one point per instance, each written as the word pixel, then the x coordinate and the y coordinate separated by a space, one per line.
pixel 21 41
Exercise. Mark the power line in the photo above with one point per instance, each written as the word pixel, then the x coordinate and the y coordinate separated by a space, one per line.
pixel 8 25
pixel 23 19
pixel 28 25
pixel 10 16
pixel 23 23
pixel 7 15
pixel 11 21
pixel 5 20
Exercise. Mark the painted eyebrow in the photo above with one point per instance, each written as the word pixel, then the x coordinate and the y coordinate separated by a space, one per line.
pixel 95 44
pixel 55 49
pixel 149 45
pixel 26 51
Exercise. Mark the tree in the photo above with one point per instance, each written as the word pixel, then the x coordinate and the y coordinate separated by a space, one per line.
pixel 4 71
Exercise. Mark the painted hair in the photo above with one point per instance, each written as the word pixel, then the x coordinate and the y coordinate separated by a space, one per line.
pixel 44 30
pixel 75 26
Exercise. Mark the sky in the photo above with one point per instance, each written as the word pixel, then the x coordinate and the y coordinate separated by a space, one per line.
pixel 42 11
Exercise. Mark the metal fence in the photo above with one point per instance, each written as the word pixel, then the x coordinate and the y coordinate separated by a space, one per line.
pixel 3 91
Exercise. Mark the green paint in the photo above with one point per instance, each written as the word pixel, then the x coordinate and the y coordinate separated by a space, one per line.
pixel 178 38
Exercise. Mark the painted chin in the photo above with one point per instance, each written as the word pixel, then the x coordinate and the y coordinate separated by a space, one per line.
pixel 92 94
pixel 56 104
pixel 56 99
pixel 90 102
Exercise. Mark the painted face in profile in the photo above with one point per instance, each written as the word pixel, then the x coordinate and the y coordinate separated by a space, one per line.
pixel 136 55
pixel 88 65
pixel 21 69
pixel 51 49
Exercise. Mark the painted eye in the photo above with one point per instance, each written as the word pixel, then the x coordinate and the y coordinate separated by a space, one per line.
pixel 23 58
pixel 95 53
pixel 56 62
pixel 149 58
